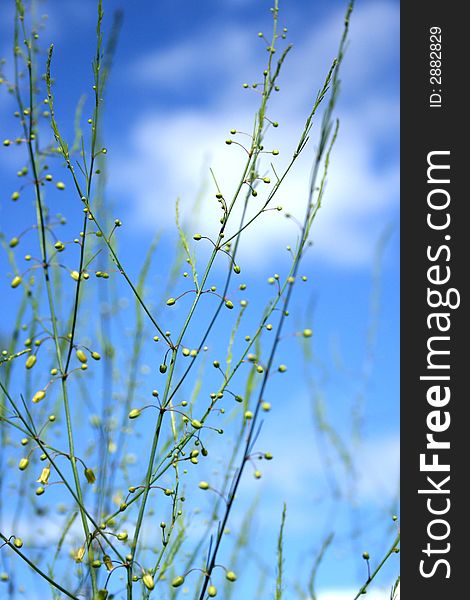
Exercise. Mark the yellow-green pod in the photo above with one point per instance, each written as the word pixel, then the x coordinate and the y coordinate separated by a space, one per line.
pixel 23 464
pixel 30 361
pixel 82 357
pixel 148 581
pixel 90 475
pixel 177 581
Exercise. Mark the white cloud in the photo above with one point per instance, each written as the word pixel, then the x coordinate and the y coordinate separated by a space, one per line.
pixel 167 149
pixel 296 476
pixel 376 465
pixel 200 56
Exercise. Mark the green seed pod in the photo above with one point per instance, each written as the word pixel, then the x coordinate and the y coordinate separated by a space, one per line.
pixel 122 536
pixel 168 492
pixel 40 491
pixel 236 269
pixel 22 465
pixel 134 413
pixel 212 591
pixel 15 282
pixel 171 301
pixel 6 142
pixel 275 152
pixel 148 581
pixel 24 441
pixel 38 396
pixel 82 357
pixel 59 246
pixel 307 333
pixel 96 564
pixel 18 543
pixel 266 406
pixel 101 595
pixel 96 356
pixel 259 369
pixel 15 196
pixel 75 275
pixel 186 351
pixel 30 361
pixel 14 242
pixel 203 485
pixel 197 237
pixel 282 368
pixel 230 576
pixel 90 475
pixel 257 474
pixel 177 581
pixel 228 142
pixel 268 456
pixel 238 398
pixel 44 477
pixel 196 424
pixel 48 177
pixel 229 304
pixel 248 414
pixel 163 368
pixel 216 364
pixel 365 555
pixel 60 185
pixel 108 562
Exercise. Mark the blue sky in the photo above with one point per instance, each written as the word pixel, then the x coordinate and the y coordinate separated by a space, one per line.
pixel 174 94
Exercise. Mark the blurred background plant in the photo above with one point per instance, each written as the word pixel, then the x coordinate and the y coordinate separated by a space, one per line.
pixel 153 423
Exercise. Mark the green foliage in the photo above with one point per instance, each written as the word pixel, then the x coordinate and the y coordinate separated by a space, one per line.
pixel 113 457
